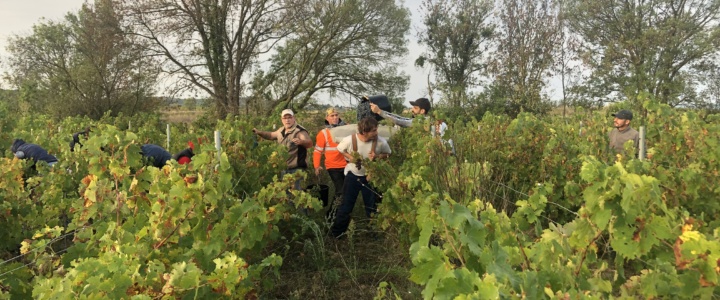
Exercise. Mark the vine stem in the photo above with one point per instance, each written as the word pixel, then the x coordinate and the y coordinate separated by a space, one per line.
pixel 452 244
pixel 118 202
pixel 158 245
pixel 522 250
pixel 582 260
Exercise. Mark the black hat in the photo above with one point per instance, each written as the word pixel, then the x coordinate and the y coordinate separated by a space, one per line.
pixel 423 103
pixel 623 115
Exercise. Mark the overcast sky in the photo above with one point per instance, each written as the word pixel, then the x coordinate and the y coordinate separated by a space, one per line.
pixel 18 16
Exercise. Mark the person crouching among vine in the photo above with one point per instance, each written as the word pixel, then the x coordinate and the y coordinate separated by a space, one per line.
pixel 23 150
pixel 76 138
pixel 366 144
pixel 185 156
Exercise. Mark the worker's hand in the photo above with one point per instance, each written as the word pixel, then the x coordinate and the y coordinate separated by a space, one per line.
pixel 375 108
pixel 372 156
pixel 297 141
pixel 255 131
pixel 317 171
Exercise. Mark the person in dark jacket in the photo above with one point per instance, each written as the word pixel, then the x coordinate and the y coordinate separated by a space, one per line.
pixel 23 150
pixel 185 156
pixel 155 155
pixel 76 138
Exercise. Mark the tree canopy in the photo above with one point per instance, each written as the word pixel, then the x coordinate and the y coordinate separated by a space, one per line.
pixel 457 34
pixel 268 53
pixel 645 47
pixel 86 64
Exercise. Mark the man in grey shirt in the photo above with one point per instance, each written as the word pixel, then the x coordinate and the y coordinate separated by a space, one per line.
pixel 622 131
pixel 419 107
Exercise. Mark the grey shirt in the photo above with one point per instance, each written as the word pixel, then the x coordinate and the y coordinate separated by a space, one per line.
pixel 618 138
pixel 398 120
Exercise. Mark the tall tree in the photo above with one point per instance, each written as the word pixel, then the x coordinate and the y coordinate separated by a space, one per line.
pixel 638 47
pixel 85 64
pixel 456 35
pixel 272 52
pixel 528 40
pixel 210 45
pixel 341 46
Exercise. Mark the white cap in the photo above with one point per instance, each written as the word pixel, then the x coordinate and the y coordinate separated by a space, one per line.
pixel 287 112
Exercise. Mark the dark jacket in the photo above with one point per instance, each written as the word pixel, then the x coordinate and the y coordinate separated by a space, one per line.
pixel 184 156
pixel 155 155
pixel 31 151
pixel 76 140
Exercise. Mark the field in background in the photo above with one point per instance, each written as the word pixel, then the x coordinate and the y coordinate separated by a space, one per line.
pixel 181 116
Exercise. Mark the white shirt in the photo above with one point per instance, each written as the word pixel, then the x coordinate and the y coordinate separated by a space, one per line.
pixel 443 127
pixel 345 146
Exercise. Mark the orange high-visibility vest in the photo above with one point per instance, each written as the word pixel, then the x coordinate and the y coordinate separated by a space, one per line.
pixel 324 144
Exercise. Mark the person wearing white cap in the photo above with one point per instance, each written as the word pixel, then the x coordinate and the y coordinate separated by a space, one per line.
pixel 295 138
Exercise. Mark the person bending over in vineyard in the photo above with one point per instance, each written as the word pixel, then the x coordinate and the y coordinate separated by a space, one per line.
pixel 23 150
pixel 334 161
pixel 295 138
pixel 185 156
pixel 622 131
pixel 366 144
pixel 154 155
pixel 76 138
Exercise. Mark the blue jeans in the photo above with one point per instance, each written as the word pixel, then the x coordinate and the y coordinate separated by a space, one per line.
pixel 353 186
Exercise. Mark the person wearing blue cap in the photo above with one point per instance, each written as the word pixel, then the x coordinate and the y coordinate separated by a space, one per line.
pixel 622 131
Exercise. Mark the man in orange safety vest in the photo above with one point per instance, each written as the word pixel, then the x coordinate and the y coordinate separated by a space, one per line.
pixel 334 161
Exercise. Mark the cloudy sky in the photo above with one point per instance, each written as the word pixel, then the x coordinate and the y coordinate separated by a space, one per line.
pixel 18 16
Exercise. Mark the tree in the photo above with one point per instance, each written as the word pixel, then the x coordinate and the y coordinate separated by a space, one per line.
pixel 345 46
pixel 84 65
pixel 456 35
pixel 644 47
pixel 311 45
pixel 210 45
pixel 528 39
